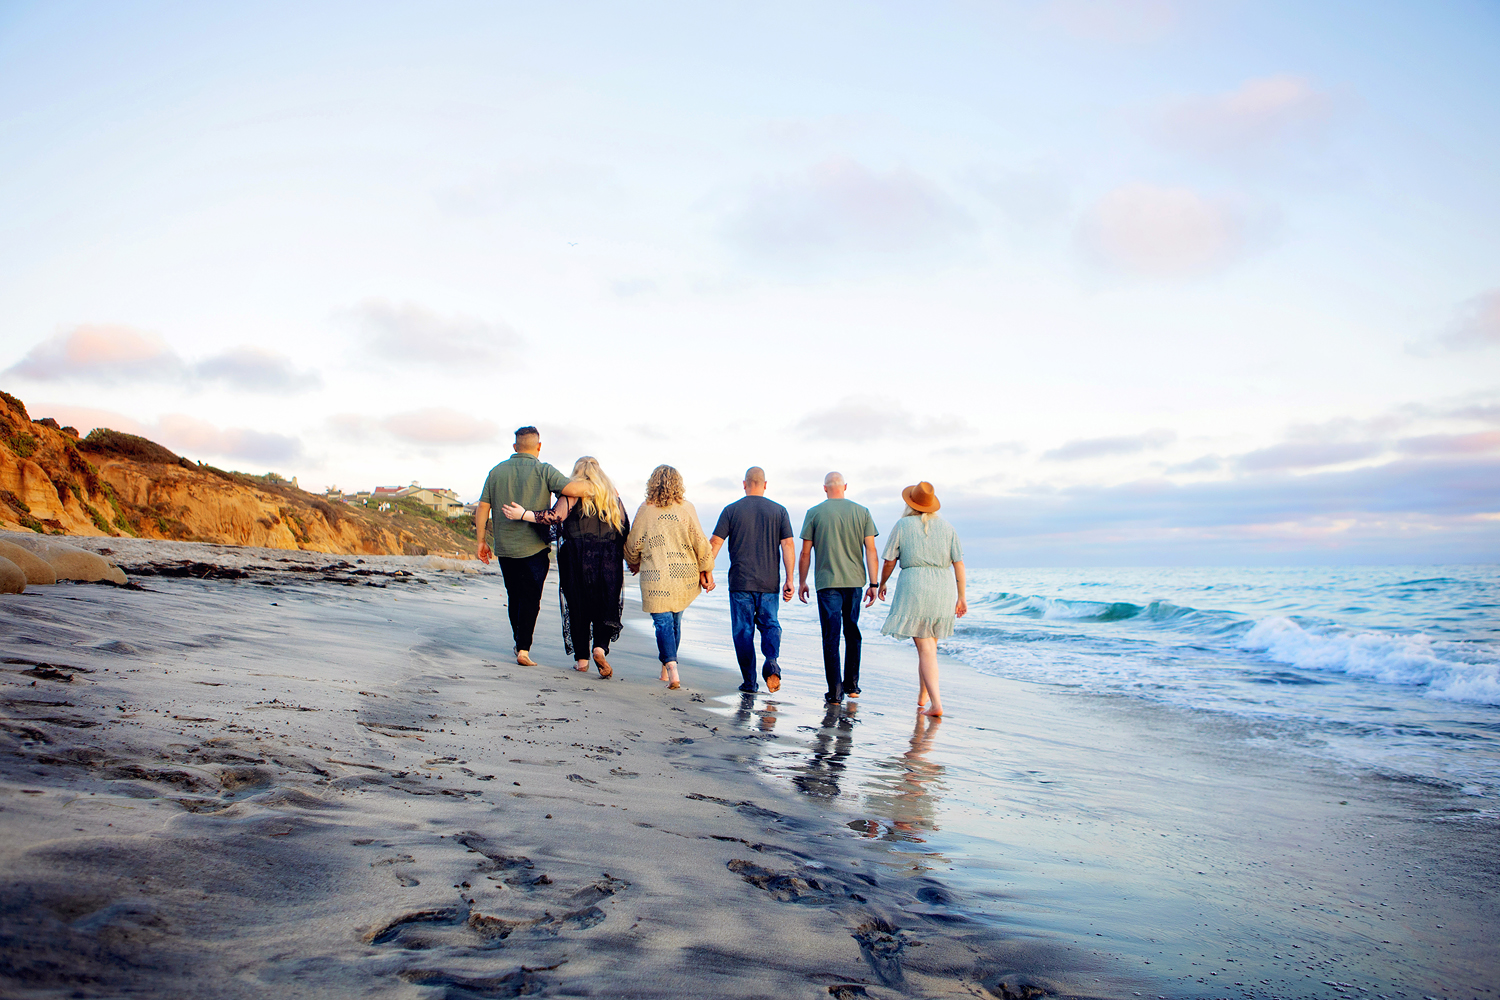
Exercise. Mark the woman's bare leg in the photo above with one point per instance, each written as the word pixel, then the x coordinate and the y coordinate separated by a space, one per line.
pixel 927 672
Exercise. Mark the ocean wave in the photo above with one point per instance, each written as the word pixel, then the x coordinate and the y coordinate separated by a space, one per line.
pixel 1061 609
pixel 1448 670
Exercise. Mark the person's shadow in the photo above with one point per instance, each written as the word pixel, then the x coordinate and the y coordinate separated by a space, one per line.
pixel 905 789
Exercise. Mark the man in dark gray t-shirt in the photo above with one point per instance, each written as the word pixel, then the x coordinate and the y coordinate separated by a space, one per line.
pixel 759 533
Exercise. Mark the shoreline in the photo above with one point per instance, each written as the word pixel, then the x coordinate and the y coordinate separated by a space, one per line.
pixel 214 784
pixel 1036 839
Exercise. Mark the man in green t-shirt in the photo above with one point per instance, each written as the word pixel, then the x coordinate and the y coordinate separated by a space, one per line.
pixel 521 547
pixel 843 535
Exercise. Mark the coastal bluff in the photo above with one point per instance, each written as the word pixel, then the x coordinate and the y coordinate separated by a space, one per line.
pixel 54 482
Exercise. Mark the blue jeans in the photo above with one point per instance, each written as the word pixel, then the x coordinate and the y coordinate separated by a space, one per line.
pixel 838 610
pixel 749 610
pixel 668 634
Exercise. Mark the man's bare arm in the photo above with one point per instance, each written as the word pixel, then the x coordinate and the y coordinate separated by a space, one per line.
pixel 576 488
pixel 802 565
pixel 788 551
pixel 715 544
pixel 481 518
pixel 872 561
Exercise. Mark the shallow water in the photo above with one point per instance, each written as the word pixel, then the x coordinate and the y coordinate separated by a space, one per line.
pixel 1143 764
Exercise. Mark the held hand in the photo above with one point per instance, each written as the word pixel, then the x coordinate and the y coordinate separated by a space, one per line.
pixel 513 511
pixel 786 591
pixel 802 593
pixel 962 609
pixel 634 569
pixel 882 592
pixel 870 595
pixel 484 553
pixel 706 580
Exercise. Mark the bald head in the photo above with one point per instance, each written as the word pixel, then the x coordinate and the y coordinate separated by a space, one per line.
pixel 834 485
pixel 755 481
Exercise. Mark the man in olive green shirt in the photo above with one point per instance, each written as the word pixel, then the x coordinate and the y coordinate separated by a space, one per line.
pixel 843 535
pixel 522 548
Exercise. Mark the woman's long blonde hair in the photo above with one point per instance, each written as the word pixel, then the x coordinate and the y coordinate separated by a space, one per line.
pixel 665 488
pixel 926 516
pixel 600 501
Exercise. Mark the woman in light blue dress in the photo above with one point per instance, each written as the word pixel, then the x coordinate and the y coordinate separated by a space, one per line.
pixel 930 589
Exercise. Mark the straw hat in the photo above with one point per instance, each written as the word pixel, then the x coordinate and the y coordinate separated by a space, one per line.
pixel 921 498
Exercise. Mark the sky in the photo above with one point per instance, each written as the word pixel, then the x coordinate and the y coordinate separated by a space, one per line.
pixel 1143 282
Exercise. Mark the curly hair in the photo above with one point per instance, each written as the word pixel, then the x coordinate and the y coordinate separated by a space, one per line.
pixel 664 488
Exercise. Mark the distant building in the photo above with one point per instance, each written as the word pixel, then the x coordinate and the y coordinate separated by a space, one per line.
pixel 442 500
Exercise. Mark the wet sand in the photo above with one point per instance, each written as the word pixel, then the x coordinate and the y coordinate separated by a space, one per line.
pixel 268 786
pixel 310 779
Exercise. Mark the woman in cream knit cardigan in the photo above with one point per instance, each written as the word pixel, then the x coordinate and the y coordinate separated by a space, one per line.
pixel 667 547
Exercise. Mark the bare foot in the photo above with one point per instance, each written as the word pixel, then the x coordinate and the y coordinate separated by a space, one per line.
pixel 582 666
pixel 773 683
pixel 523 657
pixel 934 712
pixel 605 670
pixel 672 681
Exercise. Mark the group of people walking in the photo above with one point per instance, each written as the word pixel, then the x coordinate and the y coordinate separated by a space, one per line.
pixel 664 544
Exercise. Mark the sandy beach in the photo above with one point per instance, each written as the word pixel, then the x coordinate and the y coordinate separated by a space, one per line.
pixel 261 773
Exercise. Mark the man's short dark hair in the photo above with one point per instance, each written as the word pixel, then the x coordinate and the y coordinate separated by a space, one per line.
pixel 528 431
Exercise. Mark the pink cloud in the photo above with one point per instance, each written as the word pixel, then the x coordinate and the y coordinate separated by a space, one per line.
pixel 1478 324
pixel 1162 232
pixel 440 425
pixel 1253 118
pixel 184 434
pixel 1452 444
pixel 100 352
pixel 1116 21
pixel 841 207
pixel 86 418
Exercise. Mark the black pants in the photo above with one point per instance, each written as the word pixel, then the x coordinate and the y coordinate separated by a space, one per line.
pixel 589 635
pixel 523 587
pixel 839 607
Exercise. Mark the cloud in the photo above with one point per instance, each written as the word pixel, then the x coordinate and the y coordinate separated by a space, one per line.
pixel 1451 444
pixel 1408 508
pixel 184 434
pixel 1114 21
pixel 854 420
pixel 1258 116
pixel 840 208
pixel 111 354
pixel 437 425
pixel 107 354
pixel 1307 455
pixel 1104 447
pixel 86 418
pixel 1159 232
pixel 407 333
pixel 1030 199
pixel 255 370
pixel 1477 325
pixel 1204 463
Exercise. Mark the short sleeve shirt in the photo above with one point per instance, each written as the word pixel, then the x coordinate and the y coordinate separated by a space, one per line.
pixel 754 527
pixel 530 482
pixel 837 530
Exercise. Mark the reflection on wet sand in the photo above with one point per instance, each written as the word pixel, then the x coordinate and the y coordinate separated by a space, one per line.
pixel 832 743
pixel 904 790
pixel 747 716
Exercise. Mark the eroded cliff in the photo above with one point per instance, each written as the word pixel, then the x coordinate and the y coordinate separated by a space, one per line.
pixel 53 482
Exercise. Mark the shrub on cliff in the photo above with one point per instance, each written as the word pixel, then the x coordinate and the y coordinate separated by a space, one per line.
pixel 106 441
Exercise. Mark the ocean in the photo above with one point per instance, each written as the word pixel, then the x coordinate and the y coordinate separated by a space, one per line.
pixel 1271 781
pixel 1389 667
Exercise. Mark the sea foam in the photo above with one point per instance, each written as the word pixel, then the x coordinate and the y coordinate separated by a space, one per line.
pixel 1452 671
